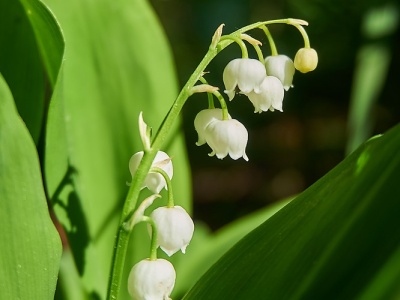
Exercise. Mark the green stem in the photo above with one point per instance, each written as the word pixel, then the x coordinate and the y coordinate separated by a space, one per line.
pixel 238 41
pixel 210 101
pixel 224 107
pixel 271 42
pixel 304 35
pixel 164 174
pixel 220 99
pixel 209 95
pixel 137 216
pixel 259 53
pixel 122 239
pixel 154 236
pixel 121 242
pixel 118 263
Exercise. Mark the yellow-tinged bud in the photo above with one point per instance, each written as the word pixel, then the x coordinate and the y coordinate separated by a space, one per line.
pixel 306 60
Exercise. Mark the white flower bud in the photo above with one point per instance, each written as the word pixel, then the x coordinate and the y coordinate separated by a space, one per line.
pixel 270 97
pixel 144 131
pixel 203 118
pixel 245 73
pixel 306 60
pixel 151 280
pixel 155 182
pixel 175 228
pixel 282 67
pixel 227 137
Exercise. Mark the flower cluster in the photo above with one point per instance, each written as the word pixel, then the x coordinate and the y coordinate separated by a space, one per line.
pixel 170 226
pixel 263 81
pixel 263 84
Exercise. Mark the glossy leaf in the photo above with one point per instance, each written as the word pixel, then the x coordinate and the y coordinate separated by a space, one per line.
pixel 335 240
pixel 30 245
pixel 206 248
pixel 117 64
pixel 21 65
pixel 48 36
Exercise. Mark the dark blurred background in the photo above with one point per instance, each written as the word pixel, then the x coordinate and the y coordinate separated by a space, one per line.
pixel 291 150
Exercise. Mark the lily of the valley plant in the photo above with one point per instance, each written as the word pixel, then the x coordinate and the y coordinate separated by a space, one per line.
pixel 264 80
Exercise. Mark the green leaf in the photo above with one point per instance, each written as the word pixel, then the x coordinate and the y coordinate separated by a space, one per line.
pixel 369 78
pixel 30 245
pixel 116 64
pixel 21 66
pixel 206 248
pixel 48 36
pixel 335 240
pixel 373 61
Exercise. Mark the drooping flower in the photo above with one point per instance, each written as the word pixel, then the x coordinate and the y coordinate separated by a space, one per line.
pixel 244 73
pixel 151 280
pixel 306 60
pixel 203 118
pixel 282 67
pixel 227 137
pixel 270 97
pixel 175 228
pixel 155 182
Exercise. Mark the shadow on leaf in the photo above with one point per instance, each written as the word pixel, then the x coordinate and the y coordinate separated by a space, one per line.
pixel 77 233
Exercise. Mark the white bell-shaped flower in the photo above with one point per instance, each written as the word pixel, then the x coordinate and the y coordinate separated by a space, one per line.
pixel 282 67
pixel 151 280
pixel 245 73
pixel 155 182
pixel 227 137
pixel 270 97
pixel 175 228
pixel 203 118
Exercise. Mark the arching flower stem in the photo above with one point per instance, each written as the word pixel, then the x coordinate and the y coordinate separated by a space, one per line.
pixel 138 215
pixel 259 53
pixel 154 233
pixel 239 41
pixel 304 35
pixel 121 242
pixel 170 202
pixel 224 107
pixel 271 42
pixel 154 237
pixel 209 95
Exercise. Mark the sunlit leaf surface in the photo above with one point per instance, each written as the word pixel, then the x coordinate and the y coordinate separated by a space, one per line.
pixel 21 66
pixel 30 245
pixel 116 64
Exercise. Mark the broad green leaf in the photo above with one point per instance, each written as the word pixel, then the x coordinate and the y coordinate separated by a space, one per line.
pixel 334 240
pixel 386 282
pixel 21 65
pixel 49 39
pixel 206 248
pixel 116 64
pixel 30 245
